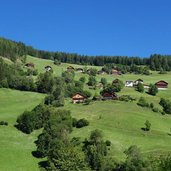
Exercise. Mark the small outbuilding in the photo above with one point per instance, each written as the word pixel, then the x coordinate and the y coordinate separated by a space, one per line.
pixel 70 68
pixel 101 72
pixel 136 82
pixel 78 98
pixel 116 72
pixel 79 70
pixel 48 68
pixel 109 96
pixel 129 83
pixel 116 81
pixel 29 65
pixel 161 85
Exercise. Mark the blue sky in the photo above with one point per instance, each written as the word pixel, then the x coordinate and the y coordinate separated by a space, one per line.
pixel 90 27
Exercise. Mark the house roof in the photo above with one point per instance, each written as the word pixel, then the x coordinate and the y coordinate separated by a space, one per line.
pixel 29 64
pixel 139 80
pixel 116 80
pixel 161 81
pixel 48 67
pixel 78 96
pixel 79 69
pixel 70 67
pixel 129 81
pixel 114 70
pixel 108 94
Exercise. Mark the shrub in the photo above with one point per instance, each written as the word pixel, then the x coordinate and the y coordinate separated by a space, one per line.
pixel 57 62
pixel 96 97
pixel 126 98
pixel 81 123
pixel 74 122
pixel 155 109
pixel 87 101
pixel 140 87
pixel 151 105
pixel 3 123
pixel 153 90
pixel 166 104
pixel 108 143
pixel 142 102
pixel 104 81
pixel 82 79
pixel 147 125
pixel 92 81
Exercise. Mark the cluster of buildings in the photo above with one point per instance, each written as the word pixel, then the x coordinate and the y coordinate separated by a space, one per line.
pixel 161 85
pixel 79 98
pixel 31 66
pixel 81 70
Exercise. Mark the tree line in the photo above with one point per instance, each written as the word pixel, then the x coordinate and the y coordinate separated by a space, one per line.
pixel 13 50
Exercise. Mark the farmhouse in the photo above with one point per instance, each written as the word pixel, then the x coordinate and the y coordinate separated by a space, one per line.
pixel 30 65
pixel 79 70
pixel 116 81
pixel 161 85
pixel 101 72
pixel 116 72
pixel 78 98
pixel 138 81
pixel 70 68
pixel 88 71
pixel 129 83
pixel 48 68
pixel 109 96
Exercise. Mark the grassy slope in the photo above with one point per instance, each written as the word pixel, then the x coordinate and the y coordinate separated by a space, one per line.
pixel 121 122
pixel 16 147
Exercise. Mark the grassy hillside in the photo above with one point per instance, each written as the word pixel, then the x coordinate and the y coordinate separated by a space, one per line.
pixel 121 122
pixel 16 147
pixel 41 63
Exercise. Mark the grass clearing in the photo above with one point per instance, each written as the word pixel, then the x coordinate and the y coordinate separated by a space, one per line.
pixel 16 147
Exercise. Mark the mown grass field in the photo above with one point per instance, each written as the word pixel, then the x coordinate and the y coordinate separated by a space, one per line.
pixel 16 147
pixel 121 122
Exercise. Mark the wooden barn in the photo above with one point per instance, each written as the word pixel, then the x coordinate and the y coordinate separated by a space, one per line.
pixel 136 82
pixel 116 72
pixel 70 68
pixel 79 70
pixel 29 65
pixel 78 98
pixel 109 96
pixel 116 81
pixel 101 72
pixel 161 84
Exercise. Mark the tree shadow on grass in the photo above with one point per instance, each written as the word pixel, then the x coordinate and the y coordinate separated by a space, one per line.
pixel 145 129
pixel 36 154
pixel 43 164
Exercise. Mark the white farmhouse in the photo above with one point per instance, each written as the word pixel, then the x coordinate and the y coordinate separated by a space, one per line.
pixel 129 84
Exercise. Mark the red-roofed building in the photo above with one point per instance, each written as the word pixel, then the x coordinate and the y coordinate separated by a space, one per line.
pixel 161 84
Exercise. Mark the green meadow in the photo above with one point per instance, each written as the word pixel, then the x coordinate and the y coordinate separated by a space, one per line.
pixel 16 147
pixel 121 122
